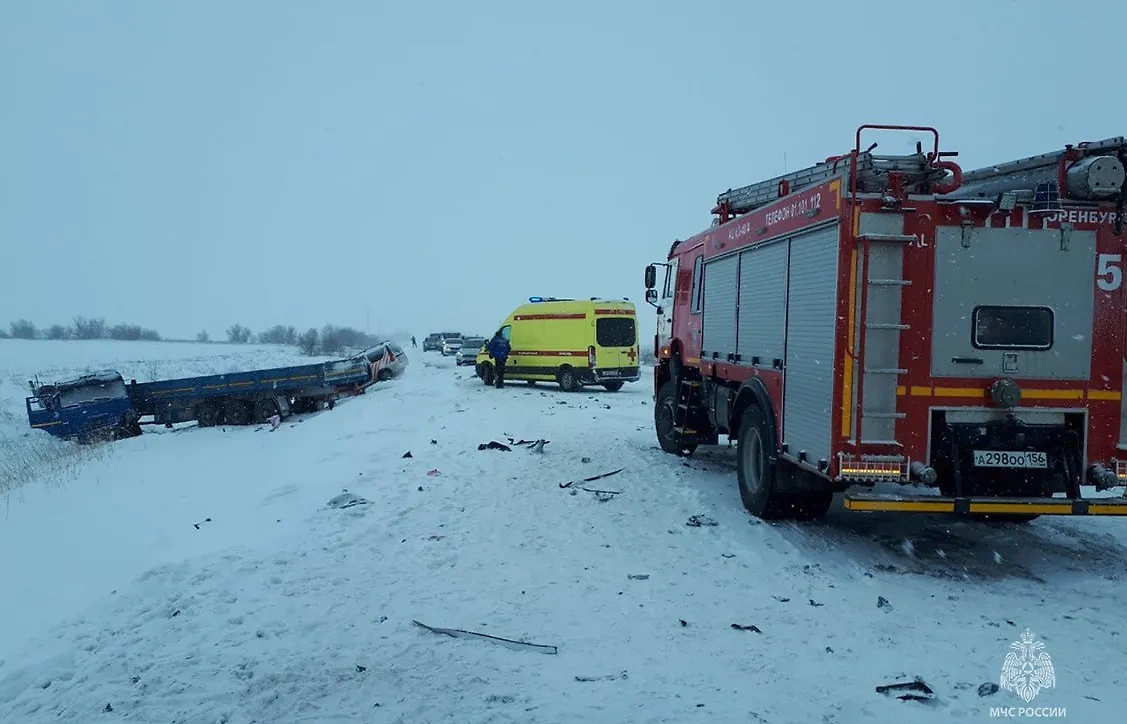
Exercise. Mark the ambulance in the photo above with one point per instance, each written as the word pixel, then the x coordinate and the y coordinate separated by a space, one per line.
pixel 571 342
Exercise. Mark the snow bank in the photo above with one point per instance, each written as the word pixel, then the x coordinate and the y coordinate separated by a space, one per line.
pixel 282 608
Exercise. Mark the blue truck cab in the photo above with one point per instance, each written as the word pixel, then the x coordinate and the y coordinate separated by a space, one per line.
pixel 88 407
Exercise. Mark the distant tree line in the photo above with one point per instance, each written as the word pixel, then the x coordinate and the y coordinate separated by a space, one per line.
pixel 80 328
pixel 329 340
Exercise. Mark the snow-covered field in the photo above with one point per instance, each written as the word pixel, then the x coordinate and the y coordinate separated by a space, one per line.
pixel 202 576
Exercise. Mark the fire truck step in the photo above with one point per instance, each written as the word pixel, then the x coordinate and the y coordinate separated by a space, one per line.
pixel 893 443
pixel 885 415
pixel 894 238
pixel 890 283
pixel 885 371
pixel 870 502
pixel 886 325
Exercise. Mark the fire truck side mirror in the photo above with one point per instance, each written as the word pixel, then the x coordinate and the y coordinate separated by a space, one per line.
pixel 651 296
pixel 651 280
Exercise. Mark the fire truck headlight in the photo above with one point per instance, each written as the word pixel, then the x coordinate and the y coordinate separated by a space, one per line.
pixel 1005 393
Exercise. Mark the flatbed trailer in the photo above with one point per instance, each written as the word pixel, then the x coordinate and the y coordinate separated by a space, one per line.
pixel 101 405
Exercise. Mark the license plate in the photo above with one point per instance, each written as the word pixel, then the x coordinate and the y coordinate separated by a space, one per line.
pixel 1010 459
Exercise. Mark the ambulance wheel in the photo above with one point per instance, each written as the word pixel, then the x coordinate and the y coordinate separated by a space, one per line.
pixel 485 372
pixel 569 381
pixel 530 383
pixel 613 385
pixel 758 469
pixel 664 409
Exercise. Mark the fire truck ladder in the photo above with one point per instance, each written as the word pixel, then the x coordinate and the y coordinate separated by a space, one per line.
pixel 872 175
pixel 1089 171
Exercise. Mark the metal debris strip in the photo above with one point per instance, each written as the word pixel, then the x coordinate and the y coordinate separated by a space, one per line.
pixel 509 643
pixel 593 477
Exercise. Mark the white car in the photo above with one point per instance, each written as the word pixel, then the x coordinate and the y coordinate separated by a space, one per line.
pixel 467 355
pixel 451 345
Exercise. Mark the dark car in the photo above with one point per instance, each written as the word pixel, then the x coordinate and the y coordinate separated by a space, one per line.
pixel 432 343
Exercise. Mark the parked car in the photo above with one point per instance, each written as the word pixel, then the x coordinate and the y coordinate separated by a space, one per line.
pixel 386 359
pixel 467 355
pixel 451 345
pixel 432 343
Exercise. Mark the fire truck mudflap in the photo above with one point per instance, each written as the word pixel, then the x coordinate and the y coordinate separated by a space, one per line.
pixel 891 319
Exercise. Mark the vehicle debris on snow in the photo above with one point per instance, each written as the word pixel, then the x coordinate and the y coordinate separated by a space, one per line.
pixel 510 643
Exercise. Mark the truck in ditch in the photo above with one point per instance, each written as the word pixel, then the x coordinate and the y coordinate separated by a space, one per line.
pixel 101 406
pixel 892 319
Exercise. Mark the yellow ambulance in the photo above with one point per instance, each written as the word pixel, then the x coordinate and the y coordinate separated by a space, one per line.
pixel 569 341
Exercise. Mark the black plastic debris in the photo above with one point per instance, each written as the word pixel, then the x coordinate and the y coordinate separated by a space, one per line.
pixel 408 454
pixel 882 602
pixel 593 477
pixel 698 521
pixel 988 689
pixel 197 525
pixel 915 690
pixel 509 643
pixel 347 500
pixel 750 627
pixel 494 445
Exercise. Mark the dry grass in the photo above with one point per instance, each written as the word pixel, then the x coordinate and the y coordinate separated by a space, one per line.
pixel 33 455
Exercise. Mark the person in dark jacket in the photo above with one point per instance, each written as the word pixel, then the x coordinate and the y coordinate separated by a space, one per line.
pixel 413 342
pixel 499 349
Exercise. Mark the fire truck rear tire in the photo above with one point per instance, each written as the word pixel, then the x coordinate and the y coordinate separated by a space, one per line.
pixel 758 468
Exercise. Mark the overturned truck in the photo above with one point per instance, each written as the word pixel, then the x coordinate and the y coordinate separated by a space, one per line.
pixel 892 319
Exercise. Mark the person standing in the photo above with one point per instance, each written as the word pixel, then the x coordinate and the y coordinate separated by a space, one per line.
pixel 499 349
pixel 413 342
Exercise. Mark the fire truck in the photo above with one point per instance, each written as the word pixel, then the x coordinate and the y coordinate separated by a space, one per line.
pixel 876 322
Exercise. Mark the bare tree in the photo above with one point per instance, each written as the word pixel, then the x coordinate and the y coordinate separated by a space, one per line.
pixel 23 329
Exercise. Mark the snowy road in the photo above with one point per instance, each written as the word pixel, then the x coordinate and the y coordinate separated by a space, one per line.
pixel 282 609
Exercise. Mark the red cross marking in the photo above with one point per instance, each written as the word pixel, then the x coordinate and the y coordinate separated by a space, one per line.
pixel 631 354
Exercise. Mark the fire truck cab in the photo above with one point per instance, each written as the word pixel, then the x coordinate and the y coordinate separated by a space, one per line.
pixel 891 319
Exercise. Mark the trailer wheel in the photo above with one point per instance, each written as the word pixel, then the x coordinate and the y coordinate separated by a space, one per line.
pixel 758 468
pixel 569 381
pixel 236 412
pixel 207 414
pixel 265 408
pixel 664 410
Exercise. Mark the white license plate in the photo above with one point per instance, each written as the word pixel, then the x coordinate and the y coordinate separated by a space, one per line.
pixel 1010 459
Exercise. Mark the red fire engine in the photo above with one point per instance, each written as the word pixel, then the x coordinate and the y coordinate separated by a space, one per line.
pixel 892 319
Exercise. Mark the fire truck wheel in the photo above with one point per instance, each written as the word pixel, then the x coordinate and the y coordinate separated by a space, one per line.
pixel 569 381
pixel 664 409
pixel 757 468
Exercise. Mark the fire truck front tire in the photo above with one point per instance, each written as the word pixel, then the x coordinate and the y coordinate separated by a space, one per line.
pixel 664 410
pixel 758 468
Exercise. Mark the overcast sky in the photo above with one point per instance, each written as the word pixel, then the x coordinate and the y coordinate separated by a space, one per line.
pixel 426 166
